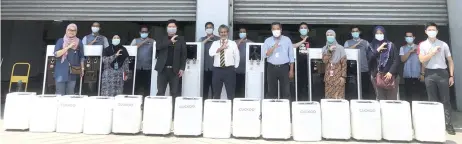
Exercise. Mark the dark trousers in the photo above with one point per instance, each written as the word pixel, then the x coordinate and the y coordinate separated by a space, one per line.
pixel 207 84
pixel 167 76
pixel 240 85
pixel 366 86
pixel 278 73
pixel 227 76
pixel 302 77
pixel 143 82
pixel 414 89
pixel 437 84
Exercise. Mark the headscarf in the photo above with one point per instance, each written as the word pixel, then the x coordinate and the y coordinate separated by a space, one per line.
pixel 112 50
pixel 69 40
pixel 339 51
pixel 383 60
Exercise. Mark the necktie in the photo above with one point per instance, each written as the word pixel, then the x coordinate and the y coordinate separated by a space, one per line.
pixel 222 55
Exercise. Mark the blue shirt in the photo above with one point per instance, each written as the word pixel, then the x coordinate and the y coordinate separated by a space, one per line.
pixel 74 58
pixel 282 54
pixel 362 46
pixel 412 65
pixel 102 40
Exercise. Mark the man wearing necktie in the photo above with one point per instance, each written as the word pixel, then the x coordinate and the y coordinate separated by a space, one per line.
pixel 226 59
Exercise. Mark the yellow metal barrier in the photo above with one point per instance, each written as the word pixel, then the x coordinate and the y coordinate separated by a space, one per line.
pixel 16 79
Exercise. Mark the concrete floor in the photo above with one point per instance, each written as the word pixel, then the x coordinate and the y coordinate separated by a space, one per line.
pixel 7 137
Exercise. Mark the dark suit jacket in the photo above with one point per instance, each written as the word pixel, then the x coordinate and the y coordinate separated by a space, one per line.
pixel 179 54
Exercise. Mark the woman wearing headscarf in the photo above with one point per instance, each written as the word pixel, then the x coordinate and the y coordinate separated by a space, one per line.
pixel 334 57
pixel 383 64
pixel 115 64
pixel 70 58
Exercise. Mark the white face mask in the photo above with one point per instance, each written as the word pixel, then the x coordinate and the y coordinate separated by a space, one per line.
pixel 432 34
pixel 379 37
pixel 276 33
pixel 209 31
pixel 94 29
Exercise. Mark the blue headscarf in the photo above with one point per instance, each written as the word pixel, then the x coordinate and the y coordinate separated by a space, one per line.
pixel 376 44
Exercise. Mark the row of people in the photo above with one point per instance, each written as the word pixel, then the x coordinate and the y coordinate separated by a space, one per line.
pixel 224 62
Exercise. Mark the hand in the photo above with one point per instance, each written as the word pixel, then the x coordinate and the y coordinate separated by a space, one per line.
pixel 240 41
pixel 225 45
pixel 412 50
pixel 451 81
pixel 435 50
pixel 96 38
pixel 83 72
pixel 126 76
pixel 388 76
pixel 381 47
pixel 118 53
pixel 209 37
pixel 71 45
pixel 291 74
pixel 276 44
pixel 332 47
pixel 342 80
pixel 422 78
pixel 304 39
pixel 180 73
pixel 173 39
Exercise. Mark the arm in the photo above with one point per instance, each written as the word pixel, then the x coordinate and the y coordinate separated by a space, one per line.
pixel 296 45
pixel 105 42
pixel 126 66
pixel 404 56
pixel 451 65
pixel 269 50
pixel 236 54
pixel 291 57
pixel 84 40
pixel 183 54
pixel 396 60
pixel 343 63
pixel 425 56
pixel 213 49
pixel 59 49
pixel 163 44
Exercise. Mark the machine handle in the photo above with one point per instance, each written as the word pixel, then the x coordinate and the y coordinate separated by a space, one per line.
pixel 219 101
pixel 394 102
pixel 337 101
pixel 363 102
pixel 130 96
pixel 157 97
pixel 189 98
pixel 276 100
pixel 102 97
pixel 307 103
pixel 429 103
pixel 248 100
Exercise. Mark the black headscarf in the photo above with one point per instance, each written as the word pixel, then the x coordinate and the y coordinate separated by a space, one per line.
pixel 112 50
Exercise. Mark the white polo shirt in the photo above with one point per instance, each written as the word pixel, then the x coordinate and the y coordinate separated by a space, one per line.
pixel 438 61
pixel 231 54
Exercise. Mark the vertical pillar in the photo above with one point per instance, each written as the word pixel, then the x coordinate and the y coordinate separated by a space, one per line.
pixel 217 12
pixel 455 27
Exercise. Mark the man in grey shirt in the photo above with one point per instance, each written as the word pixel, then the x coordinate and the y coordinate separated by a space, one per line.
pixel 434 53
pixel 240 71
pixel 357 43
pixel 208 60
pixel 143 61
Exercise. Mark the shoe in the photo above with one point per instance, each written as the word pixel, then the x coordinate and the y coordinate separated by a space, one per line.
pixel 450 129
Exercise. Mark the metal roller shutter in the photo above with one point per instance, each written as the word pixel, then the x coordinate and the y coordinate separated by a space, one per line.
pixel 364 12
pixel 100 10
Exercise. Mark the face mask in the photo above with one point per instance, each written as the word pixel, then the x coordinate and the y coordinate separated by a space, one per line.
pixel 242 35
pixel 355 34
pixel 379 37
pixel 115 41
pixel 276 33
pixel 330 39
pixel 144 35
pixel 303 31
pixel 171 30
pixel 94 29
pixel 409 39
pixel 432 34
pixel 209 31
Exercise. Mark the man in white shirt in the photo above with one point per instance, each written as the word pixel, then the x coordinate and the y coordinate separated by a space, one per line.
pixel 434 53
pixel 226 59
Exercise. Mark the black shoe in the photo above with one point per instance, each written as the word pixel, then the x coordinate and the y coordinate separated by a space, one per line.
pixel 450 129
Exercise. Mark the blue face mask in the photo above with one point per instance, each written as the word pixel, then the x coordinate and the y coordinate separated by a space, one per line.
pixel 409 40
pixel 330 39
pixel 355 34
pixel 242 35
pixel 144 35
pixel 115 41
pixel 303 32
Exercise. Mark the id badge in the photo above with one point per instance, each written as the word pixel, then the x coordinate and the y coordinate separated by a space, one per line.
pixel 331 73
pixel 276 55
pixel 116 65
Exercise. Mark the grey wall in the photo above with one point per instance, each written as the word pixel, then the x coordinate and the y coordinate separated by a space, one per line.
pixel 455 28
